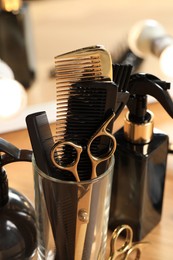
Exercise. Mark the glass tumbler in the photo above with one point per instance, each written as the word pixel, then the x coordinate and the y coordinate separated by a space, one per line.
pixel 72 217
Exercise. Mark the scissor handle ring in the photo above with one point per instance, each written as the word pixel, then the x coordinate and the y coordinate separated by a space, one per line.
pixel 106 155
pixel 102 131
pixel 72 167
pixel 127 243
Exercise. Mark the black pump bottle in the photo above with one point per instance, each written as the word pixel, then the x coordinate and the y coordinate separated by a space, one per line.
pixel 18 236
pixel 140 159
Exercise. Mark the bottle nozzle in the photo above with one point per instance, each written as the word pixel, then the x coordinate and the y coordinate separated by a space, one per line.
pixel 10 154
pixel 139 121
pixel 142 84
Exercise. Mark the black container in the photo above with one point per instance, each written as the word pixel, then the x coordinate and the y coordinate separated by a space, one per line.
pixel 18 237
pixel 18 233
pixel 140 159
pixel 138 184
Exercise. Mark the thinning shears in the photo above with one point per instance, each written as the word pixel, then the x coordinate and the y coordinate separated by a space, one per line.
pixel 128 249
pixel 95 160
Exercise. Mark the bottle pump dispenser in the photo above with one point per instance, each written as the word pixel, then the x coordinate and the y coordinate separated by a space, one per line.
pixel 17 216
pixel 140 159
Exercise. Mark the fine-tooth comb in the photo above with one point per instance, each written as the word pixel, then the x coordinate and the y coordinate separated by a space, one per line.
pixel 81 104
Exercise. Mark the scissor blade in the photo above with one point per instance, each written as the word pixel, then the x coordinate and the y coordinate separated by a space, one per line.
pixel 82 219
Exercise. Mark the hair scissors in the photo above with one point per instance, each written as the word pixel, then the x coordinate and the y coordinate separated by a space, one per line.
pixel 95 160
pixel 127 250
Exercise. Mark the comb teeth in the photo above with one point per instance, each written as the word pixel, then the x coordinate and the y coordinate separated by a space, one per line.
pixel 83 68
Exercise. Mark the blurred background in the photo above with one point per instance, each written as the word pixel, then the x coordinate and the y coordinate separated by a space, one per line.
pixel 53 27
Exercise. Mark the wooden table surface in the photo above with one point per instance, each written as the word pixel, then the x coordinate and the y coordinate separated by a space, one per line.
pixel 160 240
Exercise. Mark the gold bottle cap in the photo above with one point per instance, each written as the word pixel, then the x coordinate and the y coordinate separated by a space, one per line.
pixel 10 5
pixel 138 133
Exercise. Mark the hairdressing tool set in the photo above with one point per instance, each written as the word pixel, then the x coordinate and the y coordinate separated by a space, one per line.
pixel 91 93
